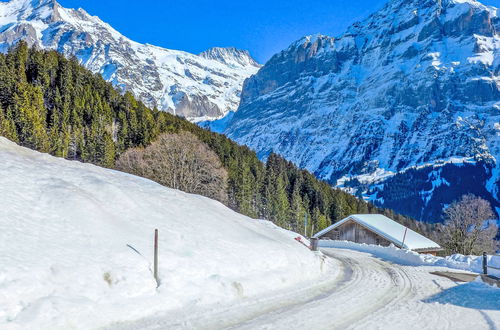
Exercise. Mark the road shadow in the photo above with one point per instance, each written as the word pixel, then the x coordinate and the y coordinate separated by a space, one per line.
pixel 474 295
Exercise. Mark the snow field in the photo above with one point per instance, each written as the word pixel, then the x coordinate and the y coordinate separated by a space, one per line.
pixel 66 232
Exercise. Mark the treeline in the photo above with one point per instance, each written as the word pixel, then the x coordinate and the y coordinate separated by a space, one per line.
pixel 53 104
pixel 405 191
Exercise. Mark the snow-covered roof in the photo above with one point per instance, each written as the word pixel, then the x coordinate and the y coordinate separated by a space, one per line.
pixel 389 229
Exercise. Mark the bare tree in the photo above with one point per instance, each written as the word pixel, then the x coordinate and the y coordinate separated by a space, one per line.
pixel 466 229
pixel 180 161
pixel 132 162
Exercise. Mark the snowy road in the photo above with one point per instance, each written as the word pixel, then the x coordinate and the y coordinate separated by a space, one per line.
pixel 366 293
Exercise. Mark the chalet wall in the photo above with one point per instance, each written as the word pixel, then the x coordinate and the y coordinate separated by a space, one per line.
pixel 354 232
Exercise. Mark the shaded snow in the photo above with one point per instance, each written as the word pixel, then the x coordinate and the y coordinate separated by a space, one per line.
pixel 219 125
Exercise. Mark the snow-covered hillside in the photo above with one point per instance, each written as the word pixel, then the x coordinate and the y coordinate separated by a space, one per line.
pixel 416 84
pixel 202 86
pixel 76 247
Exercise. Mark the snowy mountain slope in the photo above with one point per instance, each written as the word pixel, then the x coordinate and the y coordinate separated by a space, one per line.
pixel 217 125
pixel 189 85
pixel 231 56
pixel 71 234
pixel 415 84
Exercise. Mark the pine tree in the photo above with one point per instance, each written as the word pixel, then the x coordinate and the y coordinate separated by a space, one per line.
pixel 109 154
pixel 279 204
pixel 31 117
pixel 8 126
pixel 297 210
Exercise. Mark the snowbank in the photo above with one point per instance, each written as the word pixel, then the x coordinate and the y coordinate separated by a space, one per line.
pixel 410 258
pixel 76 247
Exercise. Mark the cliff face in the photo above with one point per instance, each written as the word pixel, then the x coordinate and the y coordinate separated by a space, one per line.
pixel 416 84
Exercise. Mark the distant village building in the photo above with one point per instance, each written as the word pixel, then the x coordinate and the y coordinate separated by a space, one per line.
pixel 380 230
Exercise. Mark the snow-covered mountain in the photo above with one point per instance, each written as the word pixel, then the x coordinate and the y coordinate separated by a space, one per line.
pixel 76 248
pixel 204 86
pixel 416 84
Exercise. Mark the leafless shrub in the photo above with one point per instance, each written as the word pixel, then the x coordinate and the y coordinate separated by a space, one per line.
pixel 132 162
pixel 180 161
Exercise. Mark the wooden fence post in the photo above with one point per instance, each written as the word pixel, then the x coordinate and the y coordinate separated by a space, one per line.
pixel 155 274
pixel 314 243
pixel 485 263
pixel 404 238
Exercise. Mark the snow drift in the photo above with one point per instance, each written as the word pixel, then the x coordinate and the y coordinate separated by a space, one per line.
pixel 76 246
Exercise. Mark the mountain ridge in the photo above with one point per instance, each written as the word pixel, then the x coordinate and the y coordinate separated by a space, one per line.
pixel 415 83
pixel 179 82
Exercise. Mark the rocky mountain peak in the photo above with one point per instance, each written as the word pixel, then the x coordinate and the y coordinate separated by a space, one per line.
pixel 30 5
pixel 309 46
pixel 31 10
pixel 230 56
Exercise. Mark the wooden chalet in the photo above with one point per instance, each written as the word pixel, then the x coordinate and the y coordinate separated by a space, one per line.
pixel 379 230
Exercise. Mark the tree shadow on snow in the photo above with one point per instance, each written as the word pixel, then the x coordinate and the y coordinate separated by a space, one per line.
pixel 474 295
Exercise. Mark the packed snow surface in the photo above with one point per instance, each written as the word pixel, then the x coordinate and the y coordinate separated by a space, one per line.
pixel 390 229
pixel 76 245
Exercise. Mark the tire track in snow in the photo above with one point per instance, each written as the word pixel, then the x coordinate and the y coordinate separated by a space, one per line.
pixel 346 304
pixel 403 289
pixel 346 300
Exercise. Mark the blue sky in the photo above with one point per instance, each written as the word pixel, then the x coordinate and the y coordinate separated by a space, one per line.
pixel 264 27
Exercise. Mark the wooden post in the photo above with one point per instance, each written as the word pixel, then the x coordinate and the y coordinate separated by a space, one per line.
pixel 404 237
pixel 314 243
pixel 485 264
pixel 155 274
